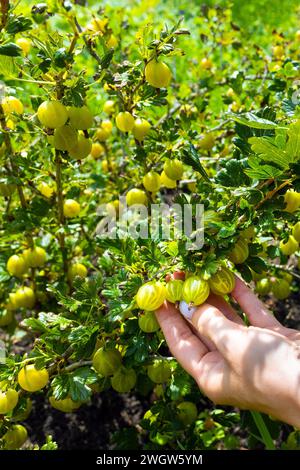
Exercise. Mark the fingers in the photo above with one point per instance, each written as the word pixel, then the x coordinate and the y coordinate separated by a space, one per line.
pixel 182 342
pixel 213 376
pixel 207 342
pixel 221 304
pixel 209 369
pixel 257 312
pixel 229 338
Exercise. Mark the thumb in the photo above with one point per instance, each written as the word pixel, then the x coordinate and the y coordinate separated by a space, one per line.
pixel 228 337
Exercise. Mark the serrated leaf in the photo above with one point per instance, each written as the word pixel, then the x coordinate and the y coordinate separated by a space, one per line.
pixel 16 24
pixel 245 272
pixel 293 144
pixel 180 385
pixel 251 120
pixel 60 386
pixel 257 264
pixel 289 107
pixel 50 444
pixel 232 174
pixel 4 276
pixel 261 172
pixel 227 230
pixel 79 391
pixel 35 325
pixel 7 67
pixel 209 269
pixel 106 59
pixel 268 151
pixel 243 145
pixel 10 49
pixel 50 318
pixel 87 374
pixel 191 158
pixel 172 248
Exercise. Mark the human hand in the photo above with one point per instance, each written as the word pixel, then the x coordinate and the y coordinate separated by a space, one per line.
pixel 255 367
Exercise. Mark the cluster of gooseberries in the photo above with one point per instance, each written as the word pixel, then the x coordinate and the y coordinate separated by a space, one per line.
pixel 19 265
pixel 29 379
pixel 153 181
pixel 62 124
pixel 158 75
pixel 108 363
pixel 187 294
pixel 290 246
pixel 68 126
pixel 279 286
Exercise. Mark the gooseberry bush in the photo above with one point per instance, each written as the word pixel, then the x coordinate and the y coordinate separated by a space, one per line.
pixel 104 110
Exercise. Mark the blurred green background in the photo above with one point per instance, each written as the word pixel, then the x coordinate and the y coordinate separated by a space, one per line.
pixel 251 15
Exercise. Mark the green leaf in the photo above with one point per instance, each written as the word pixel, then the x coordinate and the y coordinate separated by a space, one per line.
pixel 79 391
pixel 10 49
pixel 210 268
pixel 251 120
pixel 60 386
pixel 257 264
pixel 7 67
pixel 50 444
pixel 216 103
pixel 288 107
pixel 245 272
pixel 4 276
pixel 52 319
pixel 233 173
pixel 261 172
pixel 87 374
pixel 191 158
pixel 227 230
pixel 17 24
pixel 268 151
pixel 106 59
pixel 293 145
pixel 180 385
pixel 84 340
pixel 243 145
pixel 171 248
pixel 35 325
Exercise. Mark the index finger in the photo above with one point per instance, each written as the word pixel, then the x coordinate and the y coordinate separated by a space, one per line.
pixel 186 347
pixel 255 309
pixel 228 336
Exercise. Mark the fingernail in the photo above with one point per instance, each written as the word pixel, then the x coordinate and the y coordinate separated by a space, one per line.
pixel 186 310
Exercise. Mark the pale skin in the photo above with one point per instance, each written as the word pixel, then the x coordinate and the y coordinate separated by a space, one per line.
pixel 253 367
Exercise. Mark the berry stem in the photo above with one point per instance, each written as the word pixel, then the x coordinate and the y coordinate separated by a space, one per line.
pixel 60 209
pixel 87 43
pixel 13 168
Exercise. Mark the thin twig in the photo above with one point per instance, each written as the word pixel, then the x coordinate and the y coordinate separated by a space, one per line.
pixel 272 193
pixel 13 168
pixel 76 365
pixel 87 44
pixel 219 126
pixel 285 268
pixel 166 116
pixel 60 209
